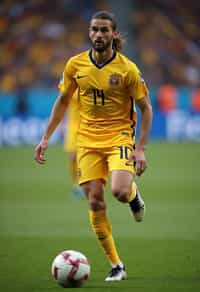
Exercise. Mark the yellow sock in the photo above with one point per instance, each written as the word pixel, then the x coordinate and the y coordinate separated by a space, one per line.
pixel 133 192
pixel 103 230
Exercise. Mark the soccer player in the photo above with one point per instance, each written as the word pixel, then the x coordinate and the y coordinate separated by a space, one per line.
pixel 70 147
pixel 108 86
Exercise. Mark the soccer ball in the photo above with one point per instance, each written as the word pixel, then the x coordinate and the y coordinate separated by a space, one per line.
pixel 70 268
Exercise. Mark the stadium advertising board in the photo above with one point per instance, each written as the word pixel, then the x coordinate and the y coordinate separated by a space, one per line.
pixel 177 125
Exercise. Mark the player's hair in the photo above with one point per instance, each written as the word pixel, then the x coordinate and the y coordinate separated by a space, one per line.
pixel 119 40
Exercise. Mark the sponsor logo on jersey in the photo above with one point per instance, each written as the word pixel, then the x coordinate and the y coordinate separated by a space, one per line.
pixel 80 76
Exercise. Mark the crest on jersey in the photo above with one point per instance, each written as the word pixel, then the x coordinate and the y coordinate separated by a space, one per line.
pixel 114 80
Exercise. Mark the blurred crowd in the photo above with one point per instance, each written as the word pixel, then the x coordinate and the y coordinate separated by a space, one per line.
pixel 167 41
pixel 37 36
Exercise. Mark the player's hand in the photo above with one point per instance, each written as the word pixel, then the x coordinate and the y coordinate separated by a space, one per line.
pixel 139 157
pixel 40 151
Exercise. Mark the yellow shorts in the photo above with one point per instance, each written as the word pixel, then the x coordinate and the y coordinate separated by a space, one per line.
pixel 97 163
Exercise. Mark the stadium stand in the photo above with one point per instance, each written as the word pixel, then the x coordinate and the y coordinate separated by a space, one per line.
pixel 168 41
pixel 37 36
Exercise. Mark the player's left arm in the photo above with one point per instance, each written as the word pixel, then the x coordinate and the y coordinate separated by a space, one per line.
pixel 145 107
pixel 138 89
pixel 138 155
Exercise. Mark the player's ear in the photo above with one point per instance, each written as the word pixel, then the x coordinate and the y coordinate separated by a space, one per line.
pixel 115 34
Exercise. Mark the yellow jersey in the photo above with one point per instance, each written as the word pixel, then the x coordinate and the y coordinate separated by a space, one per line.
pixel 106 96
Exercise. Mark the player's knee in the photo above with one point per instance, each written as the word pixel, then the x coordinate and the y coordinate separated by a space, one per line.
pixel 96 200
pixel 96 205
pixel 121 194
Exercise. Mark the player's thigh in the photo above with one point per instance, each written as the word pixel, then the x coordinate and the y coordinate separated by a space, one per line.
pixel 121 181
pixel 121 169
pixel 91 165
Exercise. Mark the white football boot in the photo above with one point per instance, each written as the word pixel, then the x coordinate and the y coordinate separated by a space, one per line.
pixel 137 206
pixel 116 274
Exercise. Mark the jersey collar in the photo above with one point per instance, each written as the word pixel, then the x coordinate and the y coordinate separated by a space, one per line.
pixel 101 65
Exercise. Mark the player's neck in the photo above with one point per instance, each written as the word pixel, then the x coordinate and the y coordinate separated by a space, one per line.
pixel 102 57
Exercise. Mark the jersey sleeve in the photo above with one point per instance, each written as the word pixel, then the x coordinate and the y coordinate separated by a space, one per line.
pixel 67 83
pixel 136 85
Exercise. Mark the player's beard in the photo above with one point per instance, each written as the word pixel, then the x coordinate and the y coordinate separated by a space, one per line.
pixel 103 47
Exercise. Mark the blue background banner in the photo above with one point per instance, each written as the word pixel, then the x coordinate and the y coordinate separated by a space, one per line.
pixel 177 125
pixel 26 128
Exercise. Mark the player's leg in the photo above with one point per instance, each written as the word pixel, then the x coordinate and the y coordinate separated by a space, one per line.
pixel 93 174
pixel 122 185
pixel 100 222
pixel 125 190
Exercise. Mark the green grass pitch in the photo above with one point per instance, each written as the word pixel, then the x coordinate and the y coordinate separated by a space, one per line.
pixel 39 218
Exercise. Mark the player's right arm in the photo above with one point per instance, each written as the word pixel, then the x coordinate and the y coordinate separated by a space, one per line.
pixel 55 118
pixel 67 88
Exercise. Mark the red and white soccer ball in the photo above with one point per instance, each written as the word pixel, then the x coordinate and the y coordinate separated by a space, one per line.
pixel 70 268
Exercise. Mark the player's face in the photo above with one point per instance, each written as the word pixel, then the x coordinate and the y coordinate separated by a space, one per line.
pixel 101 34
